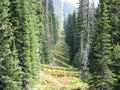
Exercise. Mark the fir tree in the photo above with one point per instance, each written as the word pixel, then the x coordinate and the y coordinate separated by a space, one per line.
pixel 22 39
pixel 47 45
pixel 73 48
pixel 101 51
pixel 54 21
pixel 115 32
pixel 40 30
pixel 10 71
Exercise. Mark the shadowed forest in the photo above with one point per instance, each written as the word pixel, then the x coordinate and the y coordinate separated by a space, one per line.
pixel 55 45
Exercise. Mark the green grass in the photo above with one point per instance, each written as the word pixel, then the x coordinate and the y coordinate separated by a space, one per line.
pixel 58 68
pixel 60 72
pixel 60 81
pixel 64 64
pixel 63 77
pixel 61 57
pixel 49 87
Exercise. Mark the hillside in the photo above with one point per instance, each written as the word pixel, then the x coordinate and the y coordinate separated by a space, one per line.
pixel 67 8
pixel 60 75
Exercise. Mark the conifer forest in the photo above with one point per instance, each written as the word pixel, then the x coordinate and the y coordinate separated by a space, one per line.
pixel 59 45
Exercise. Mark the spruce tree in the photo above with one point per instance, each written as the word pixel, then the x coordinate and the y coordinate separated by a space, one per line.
pixel 70 31
pixel 41 35
pixel 40 30
pixel 51 29
pixel 22 39
pixel 100 57
pixel 116 65
pixel 10 71
pixel 47 45
pixel 115 32
pixel 82 38
pixel 54 21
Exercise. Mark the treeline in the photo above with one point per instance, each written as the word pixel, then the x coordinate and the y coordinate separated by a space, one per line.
pixel 93 38
pixel 79 31
pixel 28 33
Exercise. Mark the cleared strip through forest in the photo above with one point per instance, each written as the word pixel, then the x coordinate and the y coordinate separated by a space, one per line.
pixel 60 75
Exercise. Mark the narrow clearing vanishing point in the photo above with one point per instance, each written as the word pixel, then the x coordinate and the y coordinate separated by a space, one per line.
pixel 59 75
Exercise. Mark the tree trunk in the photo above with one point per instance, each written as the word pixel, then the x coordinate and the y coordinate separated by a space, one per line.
pixel 46 25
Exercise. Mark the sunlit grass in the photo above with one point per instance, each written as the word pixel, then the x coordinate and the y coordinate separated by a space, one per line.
pixel 64 76
pixel 64 82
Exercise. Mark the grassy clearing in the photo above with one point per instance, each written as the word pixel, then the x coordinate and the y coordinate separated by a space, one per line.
pixel 62 76
pixel 61 81
pixel 58 68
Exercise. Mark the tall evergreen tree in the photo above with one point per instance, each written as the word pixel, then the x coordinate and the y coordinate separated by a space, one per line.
pixel 10 71
pixel 48 53
pixel 79 32
pixel 26 41
pixel 101 51
pixel 114 11
pixel 40 30
pixel 73 48
pixel 85 23
pixel 70 31
pixel 54 21
pixel 22 38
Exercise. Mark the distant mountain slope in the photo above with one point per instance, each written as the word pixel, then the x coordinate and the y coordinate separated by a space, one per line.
pixel 68 8
pixel 58 7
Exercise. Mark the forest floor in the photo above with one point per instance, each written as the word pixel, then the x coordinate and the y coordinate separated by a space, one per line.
pixel 59 75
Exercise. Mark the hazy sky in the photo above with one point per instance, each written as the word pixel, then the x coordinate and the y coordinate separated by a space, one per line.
pixel 76 1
